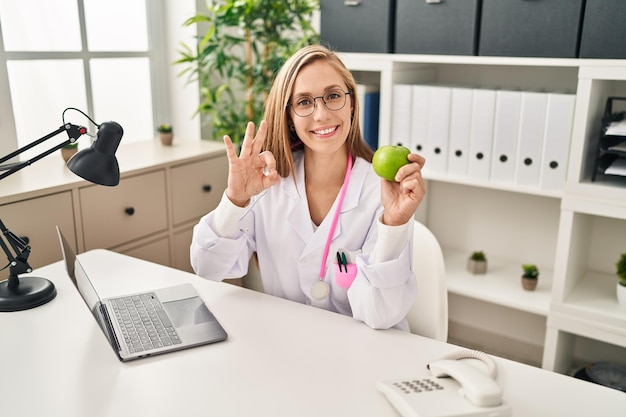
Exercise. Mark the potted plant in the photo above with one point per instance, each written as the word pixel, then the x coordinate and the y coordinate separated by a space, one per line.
pixel 530 276
pixel 620 266
pixel 246 42
pixel 477 263
pixel 69 150
pixel 166 134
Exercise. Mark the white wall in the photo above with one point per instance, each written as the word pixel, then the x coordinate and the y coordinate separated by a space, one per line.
pixel 184 96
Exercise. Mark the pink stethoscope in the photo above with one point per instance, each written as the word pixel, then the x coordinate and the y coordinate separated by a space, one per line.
pixel 320 289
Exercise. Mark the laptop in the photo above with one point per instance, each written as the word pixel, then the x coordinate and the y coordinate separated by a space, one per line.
pixel 144 324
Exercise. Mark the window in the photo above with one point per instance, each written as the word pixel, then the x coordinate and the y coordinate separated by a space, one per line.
pixel 97 56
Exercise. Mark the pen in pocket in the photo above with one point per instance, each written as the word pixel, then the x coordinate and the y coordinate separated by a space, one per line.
pixel 339 261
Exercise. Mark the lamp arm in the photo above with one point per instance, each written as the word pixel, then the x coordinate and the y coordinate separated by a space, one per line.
pixel 31 145
pixel 73 131
pixel 18 263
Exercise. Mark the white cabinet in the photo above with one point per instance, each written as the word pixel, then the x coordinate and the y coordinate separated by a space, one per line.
pixel 163 191
pixel 574 233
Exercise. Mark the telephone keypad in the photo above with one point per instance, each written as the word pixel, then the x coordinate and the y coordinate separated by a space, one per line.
pixel 418 385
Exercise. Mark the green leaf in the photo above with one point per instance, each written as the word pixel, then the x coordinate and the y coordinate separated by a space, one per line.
pixel 218 61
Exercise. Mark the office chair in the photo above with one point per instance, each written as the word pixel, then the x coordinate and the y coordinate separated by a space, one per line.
pixel 429 314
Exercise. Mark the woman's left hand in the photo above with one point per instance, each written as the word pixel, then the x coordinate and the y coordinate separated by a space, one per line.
pixel 400 198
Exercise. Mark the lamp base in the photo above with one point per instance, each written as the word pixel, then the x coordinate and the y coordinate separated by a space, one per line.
pixel 30 293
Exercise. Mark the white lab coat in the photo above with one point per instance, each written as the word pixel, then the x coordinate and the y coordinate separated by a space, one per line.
pixel 279 228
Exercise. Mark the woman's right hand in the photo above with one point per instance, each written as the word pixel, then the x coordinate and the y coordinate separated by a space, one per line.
pixel 252 171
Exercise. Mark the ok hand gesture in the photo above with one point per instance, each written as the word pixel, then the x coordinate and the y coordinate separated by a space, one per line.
pixel 252 171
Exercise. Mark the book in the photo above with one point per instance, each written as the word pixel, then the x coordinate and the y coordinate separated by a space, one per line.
pixel 369 97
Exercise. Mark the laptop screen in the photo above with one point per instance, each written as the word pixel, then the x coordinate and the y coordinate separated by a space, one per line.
pixel 78 274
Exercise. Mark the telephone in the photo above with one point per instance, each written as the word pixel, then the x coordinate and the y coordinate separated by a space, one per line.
pixel 453 387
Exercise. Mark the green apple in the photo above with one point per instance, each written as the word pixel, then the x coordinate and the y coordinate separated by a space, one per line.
pixel 389 159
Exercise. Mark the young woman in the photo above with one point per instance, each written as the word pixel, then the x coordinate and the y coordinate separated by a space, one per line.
pixel 302 194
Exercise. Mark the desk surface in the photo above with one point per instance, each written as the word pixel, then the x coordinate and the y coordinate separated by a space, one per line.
pixel 281 359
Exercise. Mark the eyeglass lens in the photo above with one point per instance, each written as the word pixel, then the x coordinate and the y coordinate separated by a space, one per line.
pixel 333 100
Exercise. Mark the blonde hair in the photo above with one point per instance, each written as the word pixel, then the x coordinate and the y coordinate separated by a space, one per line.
pixel 281 141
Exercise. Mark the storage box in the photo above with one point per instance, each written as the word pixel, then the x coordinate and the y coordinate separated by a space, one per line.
pixel 537 28
pixel 444 27
pixel 604 29
pixel 357 25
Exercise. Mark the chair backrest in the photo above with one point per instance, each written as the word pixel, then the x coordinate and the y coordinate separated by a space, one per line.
pixel 429 314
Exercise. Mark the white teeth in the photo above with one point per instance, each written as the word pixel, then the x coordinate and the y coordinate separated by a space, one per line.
pixel 325 131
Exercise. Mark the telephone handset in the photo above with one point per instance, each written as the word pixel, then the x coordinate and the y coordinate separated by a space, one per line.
pixel 451 388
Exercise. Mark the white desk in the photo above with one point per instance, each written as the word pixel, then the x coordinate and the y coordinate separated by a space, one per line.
pixel 281 359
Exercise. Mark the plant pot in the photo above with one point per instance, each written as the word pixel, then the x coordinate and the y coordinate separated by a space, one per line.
pixel 67 153
pixel 166 138
pixel 529 284
pixel 621 295
pixel 476 267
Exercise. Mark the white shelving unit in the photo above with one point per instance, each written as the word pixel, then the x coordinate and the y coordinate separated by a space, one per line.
pixel 574 235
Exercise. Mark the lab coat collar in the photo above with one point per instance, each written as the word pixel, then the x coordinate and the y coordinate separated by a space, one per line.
pixel 297 211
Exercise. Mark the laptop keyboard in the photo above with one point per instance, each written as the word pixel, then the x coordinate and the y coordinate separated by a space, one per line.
pixel 145 324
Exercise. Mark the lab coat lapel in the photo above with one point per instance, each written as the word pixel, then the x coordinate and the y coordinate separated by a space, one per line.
pixel 357 181
pixel 297 210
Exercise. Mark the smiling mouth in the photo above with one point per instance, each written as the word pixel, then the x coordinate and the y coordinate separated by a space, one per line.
pixel 326 131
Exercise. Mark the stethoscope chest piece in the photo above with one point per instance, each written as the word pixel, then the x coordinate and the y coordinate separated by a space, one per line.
pixel 320 290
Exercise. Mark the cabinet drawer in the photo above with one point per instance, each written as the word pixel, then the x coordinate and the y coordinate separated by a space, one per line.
pixel 182 242
pixel 157 251
pixel 115 215
pixel 197 188
pixel 36 219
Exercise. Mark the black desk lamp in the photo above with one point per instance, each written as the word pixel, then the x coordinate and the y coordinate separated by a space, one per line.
pixel 96 164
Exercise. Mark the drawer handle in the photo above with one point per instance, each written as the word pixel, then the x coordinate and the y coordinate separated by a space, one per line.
pixel 351 3
pixel 129 210
pixel 206 188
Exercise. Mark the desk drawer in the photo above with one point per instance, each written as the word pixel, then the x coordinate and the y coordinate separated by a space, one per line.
pixel 36 219
pixel 114 215
pixel 197 188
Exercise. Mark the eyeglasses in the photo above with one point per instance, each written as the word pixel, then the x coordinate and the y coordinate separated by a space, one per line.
pixel 333 100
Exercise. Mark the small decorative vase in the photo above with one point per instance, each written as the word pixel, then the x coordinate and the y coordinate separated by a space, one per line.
pixel 621 295
pixel 476 267
pixel 166 138
pixel 529 284
pixel 67 153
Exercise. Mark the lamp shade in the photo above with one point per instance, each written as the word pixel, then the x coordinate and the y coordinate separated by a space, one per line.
pixel 98 163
